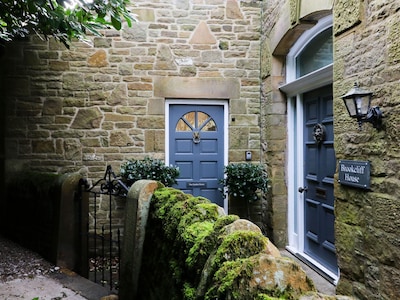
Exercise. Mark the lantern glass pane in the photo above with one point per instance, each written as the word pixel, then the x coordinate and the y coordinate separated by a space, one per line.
pixel 351 107
pixel 364 105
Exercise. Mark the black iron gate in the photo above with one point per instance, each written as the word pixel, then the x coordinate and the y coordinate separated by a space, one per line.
pixel 100 234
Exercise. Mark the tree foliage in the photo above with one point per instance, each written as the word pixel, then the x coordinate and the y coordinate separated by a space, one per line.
pixel 63 19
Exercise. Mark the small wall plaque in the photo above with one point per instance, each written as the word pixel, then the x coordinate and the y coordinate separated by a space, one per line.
pixel 355 173
pixel 196 184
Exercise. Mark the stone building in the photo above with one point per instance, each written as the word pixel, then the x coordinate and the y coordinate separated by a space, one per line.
pixel 303 80
pixel 182 82
pixel 235 76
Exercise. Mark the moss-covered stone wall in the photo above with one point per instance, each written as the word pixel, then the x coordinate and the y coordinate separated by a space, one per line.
pixel 192 250
pixel 366 50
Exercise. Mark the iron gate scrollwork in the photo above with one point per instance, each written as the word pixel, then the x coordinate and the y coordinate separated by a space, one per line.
pixel 103 243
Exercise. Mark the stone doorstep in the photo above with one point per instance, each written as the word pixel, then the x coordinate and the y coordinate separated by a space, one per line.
pixel 320 282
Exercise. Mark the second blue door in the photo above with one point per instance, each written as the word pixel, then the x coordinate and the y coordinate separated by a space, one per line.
pixel 320 164
pixel 197 148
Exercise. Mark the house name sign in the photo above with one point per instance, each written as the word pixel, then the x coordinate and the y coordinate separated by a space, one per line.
pixel 355 173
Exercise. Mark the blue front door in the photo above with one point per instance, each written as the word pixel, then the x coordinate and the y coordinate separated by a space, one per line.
pixel 197 148
pixel 319 167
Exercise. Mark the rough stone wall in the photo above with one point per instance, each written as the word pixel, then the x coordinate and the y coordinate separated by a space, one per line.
pixel 366 50
pixel 99 104
pixel 274 125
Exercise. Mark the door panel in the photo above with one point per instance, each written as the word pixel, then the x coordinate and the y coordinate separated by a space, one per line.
pixel 319 168
pixel 196 147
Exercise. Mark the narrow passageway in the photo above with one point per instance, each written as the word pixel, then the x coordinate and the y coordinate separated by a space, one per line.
pixel 26 275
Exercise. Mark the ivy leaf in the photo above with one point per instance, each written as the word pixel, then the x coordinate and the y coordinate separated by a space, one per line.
pixel 52 18
pixel 116 22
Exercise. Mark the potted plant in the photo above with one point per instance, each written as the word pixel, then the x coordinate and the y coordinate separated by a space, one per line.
pixel 243 182
pixel 148 168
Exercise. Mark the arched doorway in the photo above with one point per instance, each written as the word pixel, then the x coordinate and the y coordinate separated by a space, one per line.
pixel 311 156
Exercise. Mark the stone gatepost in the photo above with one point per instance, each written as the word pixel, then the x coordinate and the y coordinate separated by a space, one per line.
pixel 136 214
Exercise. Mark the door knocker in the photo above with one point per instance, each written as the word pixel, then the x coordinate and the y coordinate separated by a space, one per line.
pixel 196 137
pixel 319 133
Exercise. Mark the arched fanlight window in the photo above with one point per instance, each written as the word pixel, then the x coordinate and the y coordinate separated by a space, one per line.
pixel 196 121
pixel 316 54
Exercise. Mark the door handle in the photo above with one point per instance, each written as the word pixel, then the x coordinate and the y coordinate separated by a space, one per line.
pixel 303 189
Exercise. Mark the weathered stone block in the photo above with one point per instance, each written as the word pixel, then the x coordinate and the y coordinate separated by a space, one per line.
pixel 140 86
pixel 101 42
pixel 73 81
pixel 144 15
pixel 118 95
pixel 52 107
pixel 346 14
pixel 113 117
pixel 120 139
pixel 43 146
pixel 238 139
pixel 72 149
pixel 87 118
pixel 245 120
pixel 349 244
pixel 56 65
pixel 393 41
pixel 390 283
pixel 385 213
pixel 151 122
pixel 154 141
pixel 136 33
pixel 349 213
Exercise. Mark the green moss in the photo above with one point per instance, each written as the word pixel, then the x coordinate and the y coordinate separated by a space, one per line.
pixel 195 240
pixel 189 292
pixel 240 244
pixel 200 212
pixel 230 280
pixel 176 212
pixel 165 198
pixel 186 242
pixel 225 220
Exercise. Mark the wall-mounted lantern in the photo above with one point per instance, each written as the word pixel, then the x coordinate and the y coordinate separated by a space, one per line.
pixel 358 104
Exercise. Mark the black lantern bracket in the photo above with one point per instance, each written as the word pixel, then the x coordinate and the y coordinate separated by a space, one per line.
pixel 358 104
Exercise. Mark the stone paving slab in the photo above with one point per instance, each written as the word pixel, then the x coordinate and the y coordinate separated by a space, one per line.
pixel 39 287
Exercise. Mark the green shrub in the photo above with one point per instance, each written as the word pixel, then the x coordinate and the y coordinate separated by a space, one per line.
pixel 244 179
pixel 149 168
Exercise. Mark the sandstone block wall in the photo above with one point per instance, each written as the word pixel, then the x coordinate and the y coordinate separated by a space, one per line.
pixel 98 104
pixel 102 102
pixel 366 50
pixel 274 124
